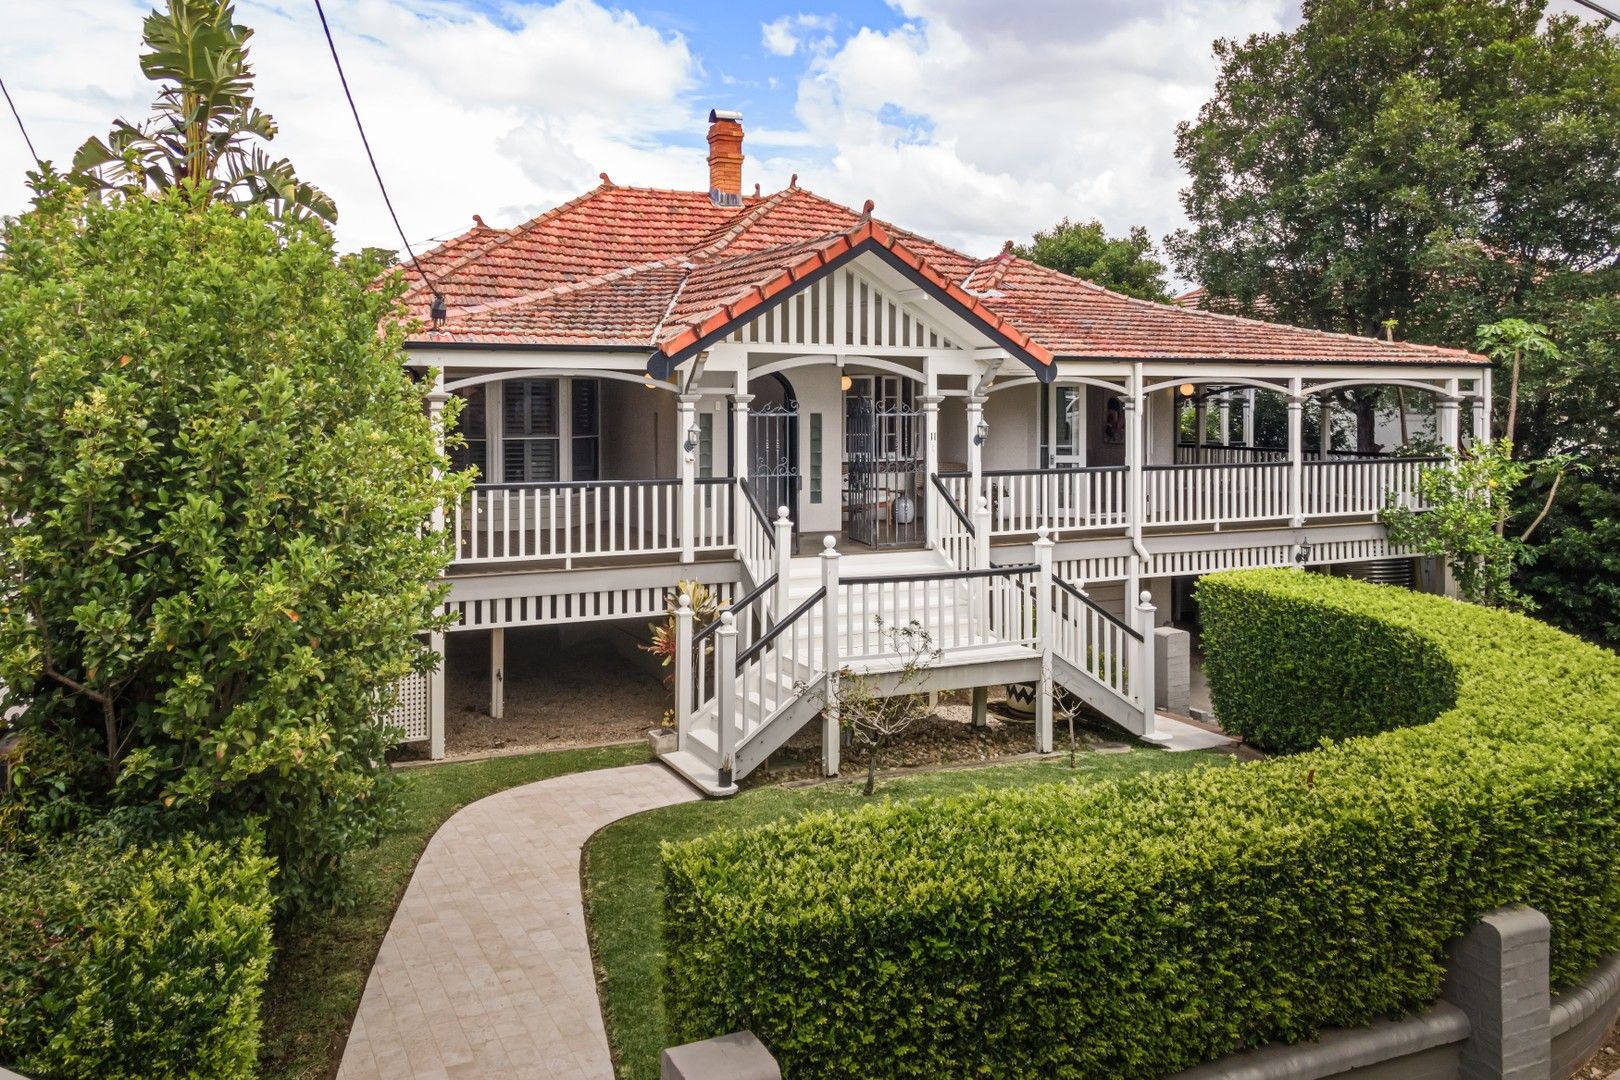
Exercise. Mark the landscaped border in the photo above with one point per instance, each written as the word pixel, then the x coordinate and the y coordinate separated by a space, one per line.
pixel 1139 928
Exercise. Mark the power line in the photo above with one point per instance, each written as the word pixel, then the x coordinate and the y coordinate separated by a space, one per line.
pixel 15 115
pixel 1600 9
pixel 438 297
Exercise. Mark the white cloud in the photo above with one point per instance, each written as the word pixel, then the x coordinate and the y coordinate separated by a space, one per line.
pixel 981 122
pixel 501 115
pixel 788 34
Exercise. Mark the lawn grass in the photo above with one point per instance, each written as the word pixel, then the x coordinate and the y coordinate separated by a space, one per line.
pixel 322 960
pixel 624 886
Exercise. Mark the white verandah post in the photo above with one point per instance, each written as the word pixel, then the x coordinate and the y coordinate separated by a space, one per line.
pixel 1296 451
pixel 1445 409
pixel 975 449
pixel 685 421
pixel 739 435
pixel 832 728
pixel 1044 608
pixel 437 399
pixel 930 404
pixel 1135 494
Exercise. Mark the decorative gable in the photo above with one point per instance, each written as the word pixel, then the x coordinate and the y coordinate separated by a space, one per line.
pixel 845 309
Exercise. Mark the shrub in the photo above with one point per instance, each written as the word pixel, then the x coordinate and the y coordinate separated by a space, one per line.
pixel 1138 928
pixel 120 961
pixel 1364 674
pixel 217 476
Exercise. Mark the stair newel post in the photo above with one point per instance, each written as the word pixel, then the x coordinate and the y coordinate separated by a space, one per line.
pixel 980 592
pixel 831 658
pixel 1045 612
pixel 1144 678
pixel 683 670
pixel 725 697
pixel 783 526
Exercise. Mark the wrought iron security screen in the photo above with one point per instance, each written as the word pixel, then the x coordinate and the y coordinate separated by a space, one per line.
pixel 886 483
pixel 773 445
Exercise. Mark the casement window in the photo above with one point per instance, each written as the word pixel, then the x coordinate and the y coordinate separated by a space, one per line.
pixel 547 430
pixel 473 426
pixel 531 431
pixel 585 429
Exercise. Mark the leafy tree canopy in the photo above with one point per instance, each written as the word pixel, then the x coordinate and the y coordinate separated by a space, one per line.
pixel 1126 264
pixel 206 130
pixel 1428 161
pixel 218 478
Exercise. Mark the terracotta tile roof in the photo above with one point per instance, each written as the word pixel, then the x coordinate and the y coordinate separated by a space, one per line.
pixel 669 271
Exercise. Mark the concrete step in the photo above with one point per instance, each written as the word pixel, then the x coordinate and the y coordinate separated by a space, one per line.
pixel 699 773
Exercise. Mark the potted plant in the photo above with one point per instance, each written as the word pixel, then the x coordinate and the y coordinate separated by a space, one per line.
pixel 726 768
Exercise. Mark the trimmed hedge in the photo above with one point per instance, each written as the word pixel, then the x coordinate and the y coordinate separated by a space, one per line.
pixel 1138 928
pixel 120 961
pixel 1361 674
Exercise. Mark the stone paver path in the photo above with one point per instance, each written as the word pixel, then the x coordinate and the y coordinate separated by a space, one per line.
pixel 486 970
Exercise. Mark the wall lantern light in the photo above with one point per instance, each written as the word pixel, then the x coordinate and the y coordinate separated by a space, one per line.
pixel 1302 553
pixel 1187 389
pixel 692 435
pixel 981 433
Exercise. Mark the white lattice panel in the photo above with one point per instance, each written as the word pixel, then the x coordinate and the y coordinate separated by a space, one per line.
pixel 411 710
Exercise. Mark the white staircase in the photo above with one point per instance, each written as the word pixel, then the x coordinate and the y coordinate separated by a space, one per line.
pixel 754 679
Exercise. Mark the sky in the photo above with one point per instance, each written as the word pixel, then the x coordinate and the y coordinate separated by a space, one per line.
pixel 971 121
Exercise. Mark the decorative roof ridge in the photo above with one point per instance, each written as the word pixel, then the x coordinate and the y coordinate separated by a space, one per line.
pixel 566 288
pixel 1176 311
pixel 674 298
pixel 508 235
pixel 733 230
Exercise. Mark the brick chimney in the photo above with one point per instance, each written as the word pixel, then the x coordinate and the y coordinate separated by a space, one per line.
pixel 725 157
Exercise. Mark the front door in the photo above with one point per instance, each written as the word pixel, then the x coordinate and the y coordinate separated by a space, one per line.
pixel 885 489
pixel 1066 420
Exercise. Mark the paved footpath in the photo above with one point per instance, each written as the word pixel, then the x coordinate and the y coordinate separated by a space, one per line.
pixel 486 971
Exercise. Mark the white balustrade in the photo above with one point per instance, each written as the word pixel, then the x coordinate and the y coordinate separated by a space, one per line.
pixel 548 522
pixel 956 610
pixel 1361 486
pixel 756 540
pixel 1092 640
pixel 1210 494
pixel 1060 499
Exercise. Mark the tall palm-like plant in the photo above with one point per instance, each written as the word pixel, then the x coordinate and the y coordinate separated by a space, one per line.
pixel 205 130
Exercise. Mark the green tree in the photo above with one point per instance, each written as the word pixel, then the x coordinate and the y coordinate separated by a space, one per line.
pixel 1126 264
pixel 1427 161
pixel 205 132
pixel 1443 164
pixel 218 480
pixel 1465 500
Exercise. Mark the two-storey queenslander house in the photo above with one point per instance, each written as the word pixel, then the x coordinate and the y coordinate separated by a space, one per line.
pixel 835 421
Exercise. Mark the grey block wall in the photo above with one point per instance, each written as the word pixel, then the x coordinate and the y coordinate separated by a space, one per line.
pixel 1498 976
pixel 1172 668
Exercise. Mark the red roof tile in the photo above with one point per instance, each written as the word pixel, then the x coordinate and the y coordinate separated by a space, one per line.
pixel 667 270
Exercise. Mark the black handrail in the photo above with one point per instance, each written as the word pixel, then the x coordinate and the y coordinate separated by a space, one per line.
pixel 555 485
pixel 759 511
pixel 1055 470
pixel 1098 608
pixel 1216 465
pixel 945 494
pixel 782 624
pixel 740 604
pixel 1429 460
pixel 944 575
